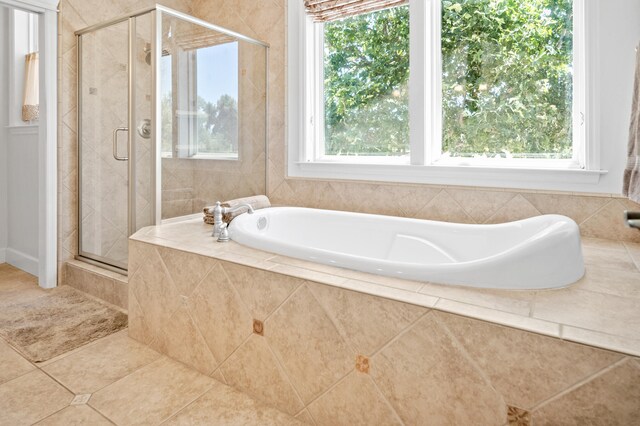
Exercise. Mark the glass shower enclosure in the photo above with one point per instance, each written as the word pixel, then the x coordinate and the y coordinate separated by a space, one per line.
pixel 171 117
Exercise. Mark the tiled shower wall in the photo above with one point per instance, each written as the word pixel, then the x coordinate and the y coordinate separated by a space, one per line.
pixel 333 356
pixel 598 216
pixel 74 15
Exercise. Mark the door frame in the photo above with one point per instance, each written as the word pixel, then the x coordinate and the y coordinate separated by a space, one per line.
pixel 47 136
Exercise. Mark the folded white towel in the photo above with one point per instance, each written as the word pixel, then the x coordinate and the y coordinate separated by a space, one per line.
pixel 256 201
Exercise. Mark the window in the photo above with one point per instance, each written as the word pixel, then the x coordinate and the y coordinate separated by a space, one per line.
pixel 366 83
pixel 456 84
pixel 199 101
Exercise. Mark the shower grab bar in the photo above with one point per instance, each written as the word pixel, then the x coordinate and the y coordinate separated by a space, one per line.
pixel 115 143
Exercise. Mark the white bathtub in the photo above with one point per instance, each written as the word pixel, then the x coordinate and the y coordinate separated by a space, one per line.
pixel 537 253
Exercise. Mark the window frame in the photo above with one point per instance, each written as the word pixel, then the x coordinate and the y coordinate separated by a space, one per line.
pixel 427 165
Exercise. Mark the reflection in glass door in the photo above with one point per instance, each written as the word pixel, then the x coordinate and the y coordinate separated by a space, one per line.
pixel 115 144
pixel 102 139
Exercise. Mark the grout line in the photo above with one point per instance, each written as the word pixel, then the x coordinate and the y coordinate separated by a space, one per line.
pixel 401 332
pixel 341 331
pixel 580 383
pixel 64 408
pixel 624 244
pixel 596 212
pixel 280 367
pixel 329 389
pixel 302 284
pixel 386 400
pixel 465 354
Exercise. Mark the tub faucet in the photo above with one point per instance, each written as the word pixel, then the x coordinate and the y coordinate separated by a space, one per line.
pixel 219 227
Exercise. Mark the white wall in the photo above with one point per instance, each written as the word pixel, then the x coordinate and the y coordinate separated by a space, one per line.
pixel 19 167
pixel 4 87
pixel 619 34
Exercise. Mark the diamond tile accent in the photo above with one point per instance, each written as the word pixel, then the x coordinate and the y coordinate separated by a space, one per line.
pixel 362 364
pixel 518 417
pixel 258 327
pixel 81 399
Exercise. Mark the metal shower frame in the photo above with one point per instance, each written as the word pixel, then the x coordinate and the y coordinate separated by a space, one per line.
pixel 156 12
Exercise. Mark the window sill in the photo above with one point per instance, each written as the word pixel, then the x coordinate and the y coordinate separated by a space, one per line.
pixel 565 179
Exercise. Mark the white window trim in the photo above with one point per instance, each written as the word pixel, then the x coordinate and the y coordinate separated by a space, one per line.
pixel 581 174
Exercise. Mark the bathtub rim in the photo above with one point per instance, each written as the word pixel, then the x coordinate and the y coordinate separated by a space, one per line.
pixel 260 242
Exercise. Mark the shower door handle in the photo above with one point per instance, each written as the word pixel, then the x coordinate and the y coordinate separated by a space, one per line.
pixel 115 143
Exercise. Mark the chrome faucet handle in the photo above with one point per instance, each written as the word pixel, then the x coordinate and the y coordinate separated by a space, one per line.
pixel 217 218
pixel 223 237
pixel 239 206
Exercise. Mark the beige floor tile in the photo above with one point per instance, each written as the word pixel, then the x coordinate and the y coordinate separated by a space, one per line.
pixel 223 405
pixel 80 415
pixel 612 398
pixel 12 365
pixel 101 364
pixel 20 292
pixel 10 273
pixel 30 398
pixel 151 394
pixel 592 311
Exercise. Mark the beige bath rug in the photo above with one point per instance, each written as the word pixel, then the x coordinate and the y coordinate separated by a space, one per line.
pixel 60 320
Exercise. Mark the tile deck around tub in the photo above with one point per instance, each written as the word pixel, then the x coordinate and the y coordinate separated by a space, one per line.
pixel 601 310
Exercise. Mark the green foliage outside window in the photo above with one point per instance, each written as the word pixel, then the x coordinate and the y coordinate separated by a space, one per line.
pixel 218 125
pixel 506 80
pixel 366 77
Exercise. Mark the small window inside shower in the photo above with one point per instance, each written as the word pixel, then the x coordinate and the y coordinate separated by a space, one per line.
pixel 199 96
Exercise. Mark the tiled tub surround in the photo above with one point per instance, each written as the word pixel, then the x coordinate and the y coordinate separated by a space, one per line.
pixel 597 214
pixel 308 340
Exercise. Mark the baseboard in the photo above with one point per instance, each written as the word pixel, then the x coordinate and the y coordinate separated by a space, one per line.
pixel 22 261
pixel 3 255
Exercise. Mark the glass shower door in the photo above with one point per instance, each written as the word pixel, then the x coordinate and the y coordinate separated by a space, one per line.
pixel 114 137
pixel 102 139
